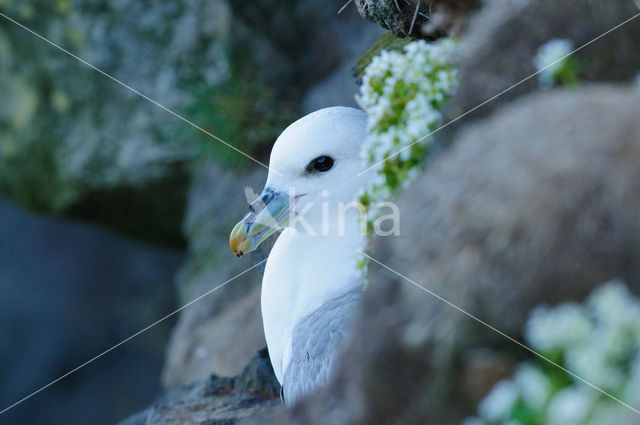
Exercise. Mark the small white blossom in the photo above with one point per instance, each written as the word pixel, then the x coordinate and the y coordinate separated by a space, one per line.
pixel 534 386
pixel 571 406
pixel 402 93
pixel 615 304
pixel 590 363
pixel 551 329
pixel 632 390
pixel 550 59
pixel 498 404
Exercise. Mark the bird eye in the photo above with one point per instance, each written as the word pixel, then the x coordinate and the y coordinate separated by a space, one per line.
pixel 320 164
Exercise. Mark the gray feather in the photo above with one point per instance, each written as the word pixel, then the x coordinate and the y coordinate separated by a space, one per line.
pixel 317 341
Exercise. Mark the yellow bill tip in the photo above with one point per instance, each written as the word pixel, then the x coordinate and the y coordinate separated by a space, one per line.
pixel 239 241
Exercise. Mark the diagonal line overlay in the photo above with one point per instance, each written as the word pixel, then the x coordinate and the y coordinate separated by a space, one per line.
pixel 173 313
pixel 175 114
pixel 531 350
pixel 459 117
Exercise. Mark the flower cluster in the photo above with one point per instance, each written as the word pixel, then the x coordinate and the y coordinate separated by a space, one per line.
pixel 554 65
pixel 598 341
pixel 403 93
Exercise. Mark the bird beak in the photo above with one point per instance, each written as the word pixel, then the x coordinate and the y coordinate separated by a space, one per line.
pixel 268 214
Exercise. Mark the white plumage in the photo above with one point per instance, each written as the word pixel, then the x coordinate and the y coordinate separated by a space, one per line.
pixel 311 284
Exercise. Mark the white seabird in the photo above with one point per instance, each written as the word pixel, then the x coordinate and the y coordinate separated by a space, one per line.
pixel 311 284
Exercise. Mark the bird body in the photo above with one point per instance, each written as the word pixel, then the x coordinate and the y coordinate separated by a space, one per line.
pixel 329 263
pixel 311 283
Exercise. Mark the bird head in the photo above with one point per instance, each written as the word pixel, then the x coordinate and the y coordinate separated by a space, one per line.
pixel 313 172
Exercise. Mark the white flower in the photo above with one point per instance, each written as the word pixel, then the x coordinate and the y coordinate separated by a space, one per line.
pixel 550 59
pixel 632 390
pixel 596 341
pixel 401 92
pixel 558 328
pixel 590 363
pixel 473 421
pixel 613 303
pixel 534 386
pixel 617 315
pixel 571 406
pixel 498 404
pixel 607 412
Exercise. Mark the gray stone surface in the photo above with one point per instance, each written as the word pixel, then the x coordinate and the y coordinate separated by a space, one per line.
pixel 73 141
pixel 221 400
pixel 353 38
pixel 221 341
pixel 69 291
pixel 220 332
pixel 503 38
pixel 432 19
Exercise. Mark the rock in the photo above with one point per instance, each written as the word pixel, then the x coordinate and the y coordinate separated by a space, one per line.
pixel 222 343
pixel 501 41
pixel 432 19
pixel 353 37
pixel 394 17
pixel 307 40
pixel 537 203
pixel 336 89
pixel 297 33
pixel 222 400
pixel 75 142
pixel 482 369
pixel 543 179
pixel 137 419
pixel 86 147
pixel 69 291
pixel 219 333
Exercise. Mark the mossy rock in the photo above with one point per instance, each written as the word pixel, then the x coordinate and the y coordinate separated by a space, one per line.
pixel 73 142
pixel 386 41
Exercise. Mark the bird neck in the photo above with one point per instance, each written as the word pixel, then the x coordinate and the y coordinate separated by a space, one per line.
pixel 302 273
pixel 323 265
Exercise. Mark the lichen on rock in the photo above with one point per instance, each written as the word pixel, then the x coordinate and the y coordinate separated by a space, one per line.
pixel 74 142
pixel 417 18
pixel 218 400
pixel 388 13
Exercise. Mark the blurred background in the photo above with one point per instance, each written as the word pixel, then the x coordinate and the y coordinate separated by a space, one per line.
pixel 113 212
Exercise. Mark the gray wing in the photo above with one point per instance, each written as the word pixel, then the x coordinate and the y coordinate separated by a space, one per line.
pixel 316 343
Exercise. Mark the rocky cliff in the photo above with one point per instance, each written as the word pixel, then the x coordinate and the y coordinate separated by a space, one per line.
pixel 527 196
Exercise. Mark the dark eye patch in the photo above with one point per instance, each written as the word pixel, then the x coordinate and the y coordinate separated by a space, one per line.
pixel 321 164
